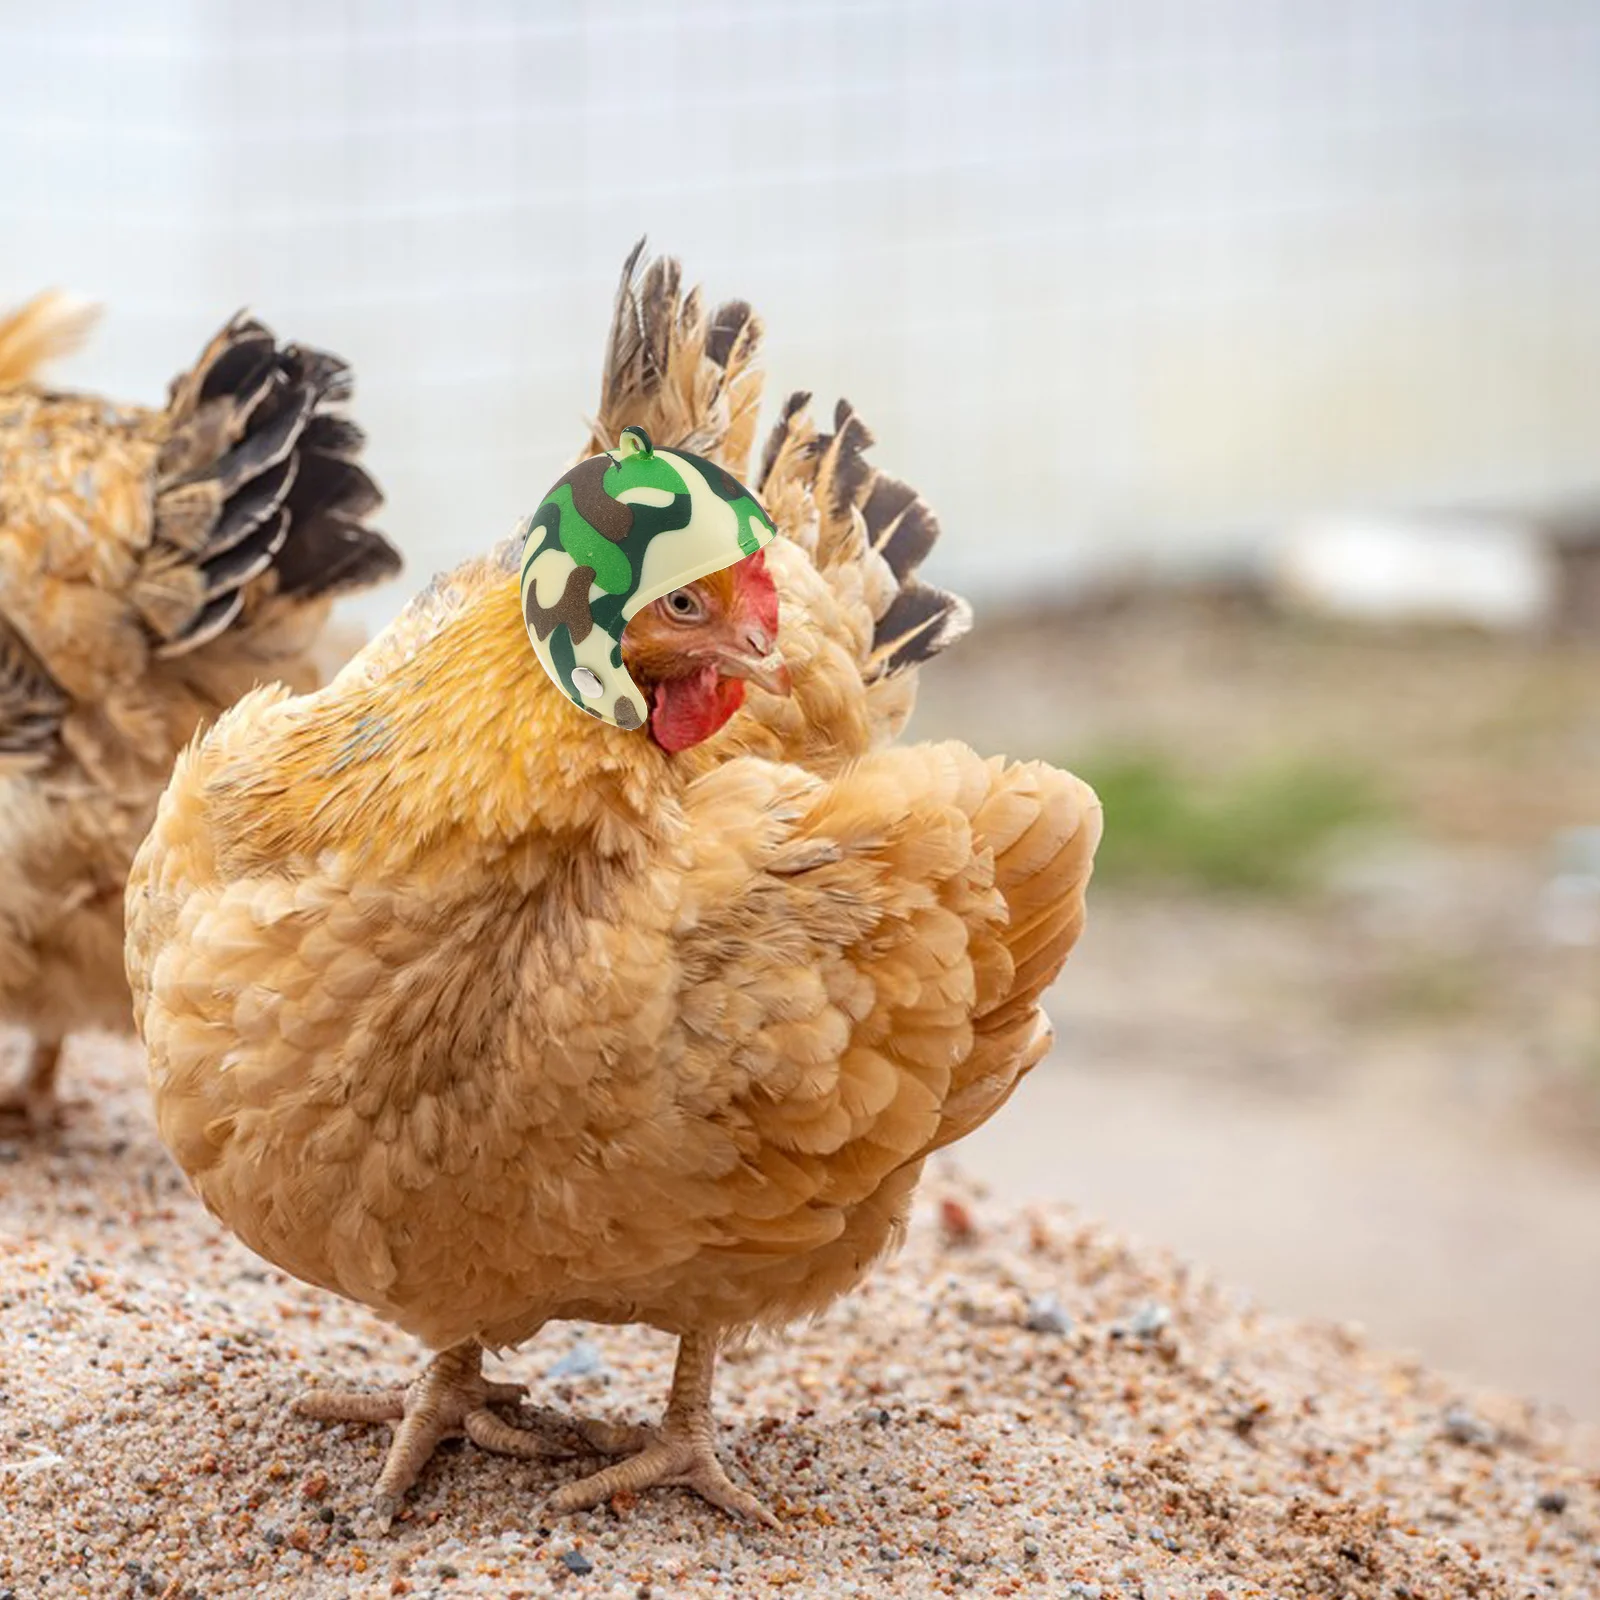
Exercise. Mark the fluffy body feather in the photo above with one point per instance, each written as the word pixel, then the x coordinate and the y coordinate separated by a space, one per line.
pixel 154 566
pixel 481 1014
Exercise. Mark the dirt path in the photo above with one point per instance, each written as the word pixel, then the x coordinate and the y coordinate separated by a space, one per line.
pixel 1439 1234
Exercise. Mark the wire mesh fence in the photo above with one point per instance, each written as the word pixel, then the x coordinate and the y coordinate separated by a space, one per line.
pixel 1106 276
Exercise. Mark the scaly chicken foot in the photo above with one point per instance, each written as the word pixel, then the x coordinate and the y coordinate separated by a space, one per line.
pixel 451 1398
pixel 32 1106
pixel 682 1451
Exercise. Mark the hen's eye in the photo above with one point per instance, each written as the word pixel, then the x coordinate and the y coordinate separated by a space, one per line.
pixel 684 605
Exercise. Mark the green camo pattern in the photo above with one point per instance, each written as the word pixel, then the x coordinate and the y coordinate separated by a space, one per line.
pixel 614 534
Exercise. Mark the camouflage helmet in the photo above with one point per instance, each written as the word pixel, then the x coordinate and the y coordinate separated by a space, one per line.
pixel 617 532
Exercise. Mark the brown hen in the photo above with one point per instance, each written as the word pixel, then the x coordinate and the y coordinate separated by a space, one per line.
pixel 486 1015
pixel 154 565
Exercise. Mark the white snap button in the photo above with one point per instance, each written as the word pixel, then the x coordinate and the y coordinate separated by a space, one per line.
pixel 586 682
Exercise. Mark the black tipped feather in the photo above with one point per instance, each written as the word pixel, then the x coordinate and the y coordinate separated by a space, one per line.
pixel 334 555
pixel 209 623
pixel 249 557
pixel 849 443
pixel 920 620
pixel 901 525
pixel 251 506
pixel 728 322
pixel 274 432
pixel 337 481
pixel 240 366
pixel 792 407
pixel 325 375
pixel 335 436
pixel 259 483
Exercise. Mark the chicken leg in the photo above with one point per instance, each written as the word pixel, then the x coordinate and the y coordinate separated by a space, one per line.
pixel 33 1103
pixel 681 1451
pixel 452 1397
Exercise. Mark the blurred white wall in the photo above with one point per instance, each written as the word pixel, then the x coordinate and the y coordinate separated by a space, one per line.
pixel 1105 275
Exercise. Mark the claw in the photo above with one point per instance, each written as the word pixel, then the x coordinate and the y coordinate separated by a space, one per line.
pixel 680 1452
pixel 451 1398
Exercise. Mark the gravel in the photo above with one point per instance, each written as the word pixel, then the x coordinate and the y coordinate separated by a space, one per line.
pixel 918 1440
pixel 1046 1314
pixel 583 1360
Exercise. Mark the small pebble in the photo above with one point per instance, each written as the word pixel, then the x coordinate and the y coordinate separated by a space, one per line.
pixel 956 1222
pixel 1046 1314
pixel 583 1360
pixel 1552 1500
pixel 1148 1320
pixel 1461 1426
pixel 576 1561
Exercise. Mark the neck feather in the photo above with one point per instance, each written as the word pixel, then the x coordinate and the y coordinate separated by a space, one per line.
pixel 465 746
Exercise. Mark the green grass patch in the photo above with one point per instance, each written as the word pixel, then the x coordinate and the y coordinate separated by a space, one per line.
pixel 1263 830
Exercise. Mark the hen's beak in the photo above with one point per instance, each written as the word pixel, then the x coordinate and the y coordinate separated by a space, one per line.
pixel 758 662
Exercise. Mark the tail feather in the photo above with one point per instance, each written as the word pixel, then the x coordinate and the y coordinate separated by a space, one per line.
pixel 336 556
pixel 866 517
pixel 730 322
pixel 259 490
pixel 256 503
pixel 902 525
pixel 686 376
pixel 790 439
pixel 49 326
pixel 689 377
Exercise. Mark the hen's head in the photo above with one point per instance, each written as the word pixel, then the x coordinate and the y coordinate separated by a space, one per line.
pixel 693 650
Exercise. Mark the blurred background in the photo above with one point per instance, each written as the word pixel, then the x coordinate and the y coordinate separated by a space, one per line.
pixel 1251 354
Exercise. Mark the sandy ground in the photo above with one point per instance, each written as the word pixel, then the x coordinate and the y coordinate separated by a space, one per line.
pixel 1021 1404
pixel 1483 1256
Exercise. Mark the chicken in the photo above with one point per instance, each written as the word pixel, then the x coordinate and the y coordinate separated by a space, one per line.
pixel 154 565
pixel 485 1015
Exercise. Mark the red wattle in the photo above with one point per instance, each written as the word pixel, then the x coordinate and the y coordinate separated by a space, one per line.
pixel 687 711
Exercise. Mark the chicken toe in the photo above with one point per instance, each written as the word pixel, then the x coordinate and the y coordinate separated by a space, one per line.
pixel 31 1106
pixel 452 1398
pixel 682 1451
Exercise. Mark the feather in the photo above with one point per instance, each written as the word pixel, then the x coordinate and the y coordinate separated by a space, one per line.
pixel 142 592
pixel 31 705
pixel 685 375
pixel 49 326
pixel 869 514
pixel 259 483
